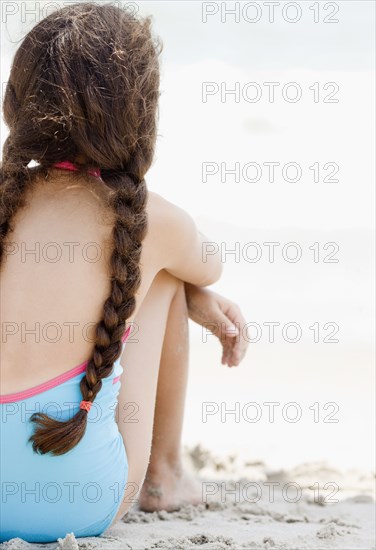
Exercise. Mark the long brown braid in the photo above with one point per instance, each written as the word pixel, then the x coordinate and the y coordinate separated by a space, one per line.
pixel 85 81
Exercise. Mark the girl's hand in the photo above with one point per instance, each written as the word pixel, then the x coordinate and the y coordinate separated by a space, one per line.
pixel 222 317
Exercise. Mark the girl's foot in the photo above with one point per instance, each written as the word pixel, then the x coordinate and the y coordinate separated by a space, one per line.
pixel 168 488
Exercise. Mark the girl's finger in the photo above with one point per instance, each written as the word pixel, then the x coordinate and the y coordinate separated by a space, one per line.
pixel 227 349
pixel 222 327
pixel 233 312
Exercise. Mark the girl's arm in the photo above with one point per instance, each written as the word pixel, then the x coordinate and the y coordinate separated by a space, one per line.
pixel 222 317
pixel 184 249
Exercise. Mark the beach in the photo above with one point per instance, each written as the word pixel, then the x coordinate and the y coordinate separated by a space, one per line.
pixel 248 506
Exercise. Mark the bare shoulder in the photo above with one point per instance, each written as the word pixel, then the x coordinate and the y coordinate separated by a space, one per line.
pixel 158 207
pixel 166 218
pixel 170 227
pixel 155 242
pixel 175 243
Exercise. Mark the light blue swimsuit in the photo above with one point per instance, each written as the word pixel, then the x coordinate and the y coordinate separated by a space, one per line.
pixel 44 497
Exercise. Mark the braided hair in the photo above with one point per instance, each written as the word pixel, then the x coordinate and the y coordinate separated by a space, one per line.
pixel 85 81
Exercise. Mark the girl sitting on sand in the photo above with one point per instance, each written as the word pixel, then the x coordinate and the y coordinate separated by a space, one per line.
pixel 89 259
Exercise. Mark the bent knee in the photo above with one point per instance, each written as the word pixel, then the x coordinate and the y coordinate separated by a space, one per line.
pixel 166 283
pixel 164 277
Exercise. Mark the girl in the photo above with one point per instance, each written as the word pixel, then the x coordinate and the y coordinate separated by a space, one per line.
pixel 85 249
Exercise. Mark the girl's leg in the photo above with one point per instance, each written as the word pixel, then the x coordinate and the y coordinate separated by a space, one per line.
pixel 162 339
pixel 166 486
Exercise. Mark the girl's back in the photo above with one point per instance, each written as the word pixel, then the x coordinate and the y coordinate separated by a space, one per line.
pixel 54 279
pixel 55 275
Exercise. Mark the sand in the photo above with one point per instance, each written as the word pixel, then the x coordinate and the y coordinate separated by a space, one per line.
pixel 242 512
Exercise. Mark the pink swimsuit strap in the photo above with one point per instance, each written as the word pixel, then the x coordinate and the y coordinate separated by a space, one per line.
pixel 67 165
pixel 57 381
